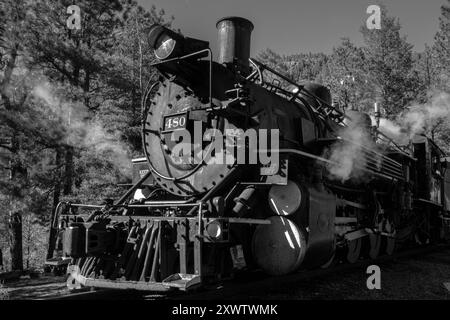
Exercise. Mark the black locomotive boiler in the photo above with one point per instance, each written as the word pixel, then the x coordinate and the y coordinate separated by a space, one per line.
pixel 185 223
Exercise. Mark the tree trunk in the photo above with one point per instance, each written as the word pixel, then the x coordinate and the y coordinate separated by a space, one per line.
pixel 68 173
pixel 28 227
pixel 86 88
pixel 15 234
pixel 11 64
pixel 56 196
pixel 18 174
pixel 1 259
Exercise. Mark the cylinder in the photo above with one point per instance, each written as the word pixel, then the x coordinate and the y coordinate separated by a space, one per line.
pixel 74 240
pixel 285 200
pixel 234 42
pixel 279 247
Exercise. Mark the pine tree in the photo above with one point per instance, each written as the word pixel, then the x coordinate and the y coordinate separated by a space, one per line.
pixel 11 98
pixel 389 61
pixel 441 49
pixel 71 98
pixel 425 70
pixel 346 76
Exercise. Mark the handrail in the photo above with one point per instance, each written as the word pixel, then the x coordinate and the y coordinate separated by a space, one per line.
pixel 301 89
pixel 260 66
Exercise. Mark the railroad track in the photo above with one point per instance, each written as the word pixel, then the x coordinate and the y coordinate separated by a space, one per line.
pixel 255 282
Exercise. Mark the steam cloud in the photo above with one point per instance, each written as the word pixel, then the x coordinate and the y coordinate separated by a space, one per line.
pixel 83 132
pixel 349 158
pixel 418 118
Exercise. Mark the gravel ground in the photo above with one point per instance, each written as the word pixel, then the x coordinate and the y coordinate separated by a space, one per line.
pixel 419 278
pixel 413 278
pixel 42 287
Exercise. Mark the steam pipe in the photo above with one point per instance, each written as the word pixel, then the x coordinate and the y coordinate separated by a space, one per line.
pixel 377 114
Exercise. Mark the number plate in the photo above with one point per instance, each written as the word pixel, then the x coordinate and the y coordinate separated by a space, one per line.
pixel 175 122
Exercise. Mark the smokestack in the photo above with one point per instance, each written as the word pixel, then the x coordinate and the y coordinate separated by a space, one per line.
pixel 234 42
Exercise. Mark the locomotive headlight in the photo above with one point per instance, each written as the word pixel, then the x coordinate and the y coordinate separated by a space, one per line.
pixel 168 44
pixel 163 41
pixel 214 229
pixel 164 47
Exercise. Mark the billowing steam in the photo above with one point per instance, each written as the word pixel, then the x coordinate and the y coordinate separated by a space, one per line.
pixel 393 131
pixel 418 118
pixel 348 159
pixel 81 131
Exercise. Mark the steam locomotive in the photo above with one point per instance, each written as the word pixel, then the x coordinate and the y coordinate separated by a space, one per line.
pixel 196 215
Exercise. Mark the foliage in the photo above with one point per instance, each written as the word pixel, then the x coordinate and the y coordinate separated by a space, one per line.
pixel 384 70
pixel 389 61
pixel 441 49
pixel 347 77
pixel 71 101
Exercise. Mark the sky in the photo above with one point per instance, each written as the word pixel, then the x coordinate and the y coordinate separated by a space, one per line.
pixel 294 26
